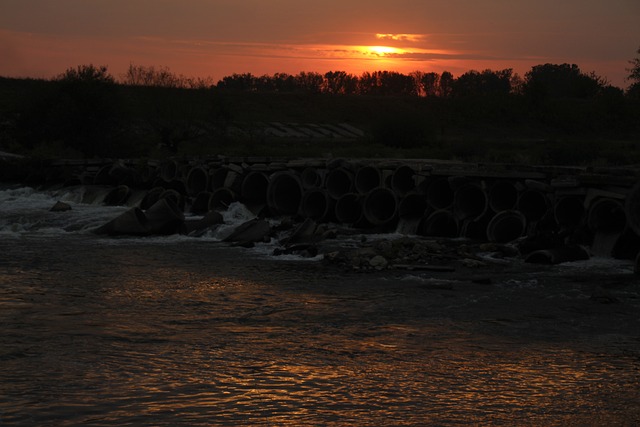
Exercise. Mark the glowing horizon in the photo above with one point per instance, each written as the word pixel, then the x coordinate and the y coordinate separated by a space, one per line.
pixel 199 38
pixel 152 51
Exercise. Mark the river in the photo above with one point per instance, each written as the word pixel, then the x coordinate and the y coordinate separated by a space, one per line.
pixel 99 331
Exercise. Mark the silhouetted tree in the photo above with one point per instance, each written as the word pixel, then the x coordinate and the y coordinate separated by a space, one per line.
pixel 283 82
pixel 634 76
pixel 430 84
pixel 340 82
pixel 87 74
pixel 446 84
pixel 240 82
pixel 140 75
pixel 557 81
pixel 485 83
pixel 309 81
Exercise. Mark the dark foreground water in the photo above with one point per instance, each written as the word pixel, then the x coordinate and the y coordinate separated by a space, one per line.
pixel 187 331
pixel 195 333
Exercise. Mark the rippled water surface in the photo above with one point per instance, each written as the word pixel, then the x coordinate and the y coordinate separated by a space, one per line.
pixel 139 332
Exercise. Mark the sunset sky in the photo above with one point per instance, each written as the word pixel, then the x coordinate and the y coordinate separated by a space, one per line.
pixel 215 38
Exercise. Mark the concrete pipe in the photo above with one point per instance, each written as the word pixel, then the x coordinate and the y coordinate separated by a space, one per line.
pixel 151 197
pixel 412 206
pixel 503 196
pixel 317 205
pixel 200 204
pixel 380 206
pixel 175 197
pixel 607 219
pixel 339 182
pixel 95 194
pixel 197 227
pixel 557 255
pixel 176 185
pixel 117 174
pixel 470 201
pixel 117 196
pixel 221 198
pixel 148 175
pixel 632 208
pixel 217 178
pixel 367 178
pixel 233 181
pixel 169 170
pixel 403 180
pixel 312 178
pixel 506 226
pixel 135 198
pixel 284 193
pixel 441 223
pixel 254 188
pixel 348 208
pixel 124 175
pixel 197 180
pixel 164 217
pixel 607 215
pixel 132 222
pixel 439 194
pixel 569 211
pixel 533 204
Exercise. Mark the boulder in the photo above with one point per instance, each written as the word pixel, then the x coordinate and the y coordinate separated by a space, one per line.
pixel 255 230
pixel 60 207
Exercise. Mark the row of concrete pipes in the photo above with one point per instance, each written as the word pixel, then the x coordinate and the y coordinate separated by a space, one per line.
pixel 410 198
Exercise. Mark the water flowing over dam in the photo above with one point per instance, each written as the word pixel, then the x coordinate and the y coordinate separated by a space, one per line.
pixel 595 208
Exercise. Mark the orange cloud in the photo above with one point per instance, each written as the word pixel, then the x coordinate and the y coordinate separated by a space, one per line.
pixel 412 38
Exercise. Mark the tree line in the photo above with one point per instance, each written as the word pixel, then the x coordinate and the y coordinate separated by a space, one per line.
pixel 90 111
pixel 557 80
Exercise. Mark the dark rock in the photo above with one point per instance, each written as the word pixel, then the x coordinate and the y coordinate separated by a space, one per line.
pixel 255 230
pixel 60 207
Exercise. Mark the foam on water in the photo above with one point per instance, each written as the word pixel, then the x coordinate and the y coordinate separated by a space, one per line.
pixel 26 210
pixel 611 265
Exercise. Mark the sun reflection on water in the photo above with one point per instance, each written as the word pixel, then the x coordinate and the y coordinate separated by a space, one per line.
pixel 148 341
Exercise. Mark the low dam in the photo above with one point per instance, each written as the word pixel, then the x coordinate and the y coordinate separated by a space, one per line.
pixel 554 207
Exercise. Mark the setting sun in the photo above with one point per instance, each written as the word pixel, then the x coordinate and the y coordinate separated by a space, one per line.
pixel 380 50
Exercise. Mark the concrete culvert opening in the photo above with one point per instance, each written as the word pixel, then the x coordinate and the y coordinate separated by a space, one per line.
pixel 348 208
pixel 413 206
pixel 380 206
pixel 402 179
pixel 506 226
pixel 440 194
pixel 503 196
pixel 367 178
pixel 470 201
pixel 197 180
pixel 607 215
pixel 439 224
pixel 316 205
pixel 569 211
pixel 284 194
pixel 533 204
pixel 339 182
pixel 311 178
pixel 254 187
